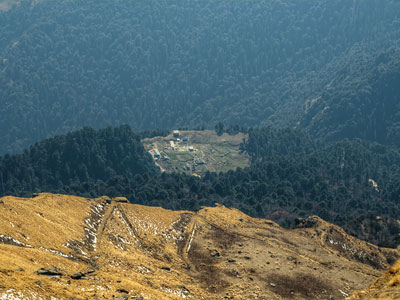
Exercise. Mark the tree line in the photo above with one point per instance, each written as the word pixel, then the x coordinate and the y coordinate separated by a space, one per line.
pixel 291 175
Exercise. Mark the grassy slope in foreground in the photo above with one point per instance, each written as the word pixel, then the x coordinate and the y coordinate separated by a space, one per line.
pixel 203 151
pixel 155 253
pixel 385 287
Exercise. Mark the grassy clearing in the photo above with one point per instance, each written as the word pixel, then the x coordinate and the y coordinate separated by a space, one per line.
pixel 204 151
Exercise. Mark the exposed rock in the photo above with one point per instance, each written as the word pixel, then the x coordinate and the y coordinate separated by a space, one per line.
pixel 120 199
pixel 166 269
pixel 305 222
pixel 77 276
pixel 39 283
pixel 51 272
pixel 124 291
pixel 122 297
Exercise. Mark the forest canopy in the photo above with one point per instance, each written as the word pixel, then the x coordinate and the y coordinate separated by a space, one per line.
pixel 329 67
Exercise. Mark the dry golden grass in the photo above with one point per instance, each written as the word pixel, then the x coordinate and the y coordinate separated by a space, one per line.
pixel 386 287
pixel 155 253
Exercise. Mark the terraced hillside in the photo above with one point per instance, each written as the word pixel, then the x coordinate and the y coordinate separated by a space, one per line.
pixel 196 152
pixel 64 247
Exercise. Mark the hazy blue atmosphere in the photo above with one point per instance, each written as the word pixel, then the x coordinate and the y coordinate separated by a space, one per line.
pixel 329 67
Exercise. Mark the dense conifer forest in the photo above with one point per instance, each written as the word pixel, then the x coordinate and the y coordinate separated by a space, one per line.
pixel 329 67
pixel 354 184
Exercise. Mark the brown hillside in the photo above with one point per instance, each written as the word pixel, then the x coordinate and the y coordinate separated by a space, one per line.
pixel 68 247
pixel 385 287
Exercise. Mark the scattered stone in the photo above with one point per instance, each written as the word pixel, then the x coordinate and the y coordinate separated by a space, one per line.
pixel 305 223
pixel 77 275
pixel 20 270
pixel 247 257
pixel 90 271
pixel 120 199
pixel 166 269
pixel 240 219
pixel 240 245
pixel 35 195
pixel 251 278
pixel 51 272
pixel 124 291
pixel 215 253
pixel 122 297
pixel 39 283
pixel 118 281
pixel 272 285
pixel 231 260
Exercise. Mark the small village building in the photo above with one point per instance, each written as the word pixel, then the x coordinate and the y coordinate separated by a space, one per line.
pixel 157 154
pixel 176 133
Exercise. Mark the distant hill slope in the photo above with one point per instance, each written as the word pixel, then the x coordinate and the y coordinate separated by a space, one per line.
pixel 63 246
pixel 362 100
pixel 157 64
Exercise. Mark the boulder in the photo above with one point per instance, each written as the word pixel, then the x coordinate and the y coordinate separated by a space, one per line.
pixel 51 272
pixel 77 275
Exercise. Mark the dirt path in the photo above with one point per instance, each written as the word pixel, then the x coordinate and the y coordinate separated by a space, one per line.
pixel 107 215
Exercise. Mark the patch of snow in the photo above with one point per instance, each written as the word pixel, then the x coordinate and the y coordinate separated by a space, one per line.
pixel 191 239
pixel 12 294
pixel 143 269
pixel 180 292
pixel 10 240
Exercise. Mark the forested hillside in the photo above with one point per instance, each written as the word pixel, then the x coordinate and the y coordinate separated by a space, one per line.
pixel 82 156
pixel 354 184
pixel 164 64
pixel 361 101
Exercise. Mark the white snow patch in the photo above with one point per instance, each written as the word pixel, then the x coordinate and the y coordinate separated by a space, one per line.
pixel 180 292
